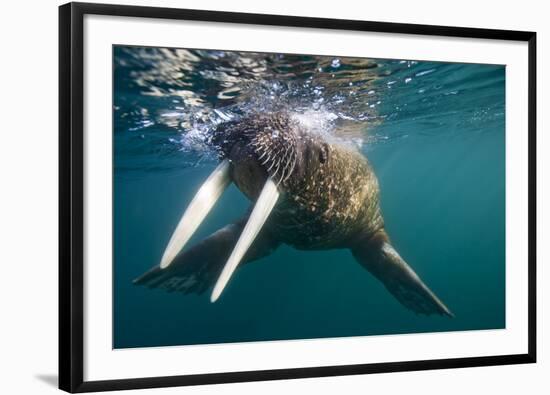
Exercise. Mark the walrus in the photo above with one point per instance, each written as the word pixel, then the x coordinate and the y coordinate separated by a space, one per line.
pixel 307 191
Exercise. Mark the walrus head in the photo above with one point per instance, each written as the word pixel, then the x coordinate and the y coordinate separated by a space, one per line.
pixel 266 155
pixel 269 146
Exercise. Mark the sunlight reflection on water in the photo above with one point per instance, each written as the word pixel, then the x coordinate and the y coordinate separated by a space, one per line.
pixel 169 99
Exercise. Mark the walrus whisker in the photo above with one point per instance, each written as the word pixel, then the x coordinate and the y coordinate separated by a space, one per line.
pixel 263 207
pixel 291 170
pixel 288 158
pixel 267 160
pixel 264 153
pixel 207 195
pixel 275 172
pixel 286 161
pixel 272 164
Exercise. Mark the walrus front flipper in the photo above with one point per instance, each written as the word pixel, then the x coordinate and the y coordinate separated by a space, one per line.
pixel 197 269
pixel 379 257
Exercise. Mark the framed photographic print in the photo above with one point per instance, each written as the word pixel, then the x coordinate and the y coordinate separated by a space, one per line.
pixel 258 197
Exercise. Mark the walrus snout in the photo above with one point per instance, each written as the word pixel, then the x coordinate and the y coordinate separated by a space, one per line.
pixel 273 140
pixel 246 171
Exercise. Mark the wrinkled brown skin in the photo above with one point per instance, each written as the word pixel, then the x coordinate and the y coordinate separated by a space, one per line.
pixel 329 199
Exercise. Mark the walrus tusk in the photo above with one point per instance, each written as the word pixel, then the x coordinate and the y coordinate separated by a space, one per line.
pixel 202 203
pixel 263 207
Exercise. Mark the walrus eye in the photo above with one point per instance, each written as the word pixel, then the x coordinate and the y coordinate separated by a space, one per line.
pixel 323 154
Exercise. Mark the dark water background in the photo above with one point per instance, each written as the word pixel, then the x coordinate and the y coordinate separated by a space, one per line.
pixel 434 133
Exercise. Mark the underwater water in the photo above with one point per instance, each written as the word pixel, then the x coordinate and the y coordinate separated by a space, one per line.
pixel 433 132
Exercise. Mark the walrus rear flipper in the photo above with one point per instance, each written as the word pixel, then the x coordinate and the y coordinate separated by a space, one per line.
pixel 197 269
pixel 379 257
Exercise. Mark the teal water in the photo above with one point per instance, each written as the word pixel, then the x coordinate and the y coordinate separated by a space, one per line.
pixel 434 133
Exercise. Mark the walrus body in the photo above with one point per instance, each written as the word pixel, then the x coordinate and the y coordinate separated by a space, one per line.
pixel 331 195
pixel 326 196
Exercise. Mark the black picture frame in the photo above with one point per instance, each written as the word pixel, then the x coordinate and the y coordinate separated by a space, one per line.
pixel 71 195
